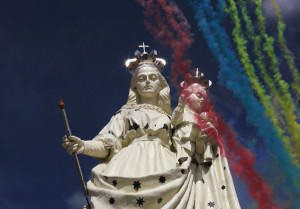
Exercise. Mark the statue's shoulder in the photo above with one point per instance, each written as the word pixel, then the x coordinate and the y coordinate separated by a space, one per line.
pixel 124 111
pixel 118 112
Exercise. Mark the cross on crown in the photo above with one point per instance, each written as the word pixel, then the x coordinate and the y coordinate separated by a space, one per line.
pixel 145 59
pixel 144 47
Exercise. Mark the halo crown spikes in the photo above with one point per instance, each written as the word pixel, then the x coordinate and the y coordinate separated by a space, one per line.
pixel 144 59
pixel 199 78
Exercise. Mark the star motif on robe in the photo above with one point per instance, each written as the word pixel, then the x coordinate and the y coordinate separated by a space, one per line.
pixel 211 204
pixel 162 179
pixel 159 200
pixel 140 201
pixel 182 171
pixel 115 182
pixel 217 155
pixel 136 185
pixel 112 201
pixel 202 180
pixel 223 187
pixel 224 168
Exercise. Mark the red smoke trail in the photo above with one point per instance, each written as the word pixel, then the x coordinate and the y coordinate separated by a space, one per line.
pixel 171 28
pixel 243 167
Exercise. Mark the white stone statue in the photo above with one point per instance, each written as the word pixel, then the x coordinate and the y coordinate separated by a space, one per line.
pixel 138 165
pixel 196 138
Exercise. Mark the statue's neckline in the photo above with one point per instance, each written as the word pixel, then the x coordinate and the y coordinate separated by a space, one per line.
pixel 145 106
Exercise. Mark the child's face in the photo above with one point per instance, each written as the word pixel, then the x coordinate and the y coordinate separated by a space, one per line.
pixel 195 101
pixel 195 97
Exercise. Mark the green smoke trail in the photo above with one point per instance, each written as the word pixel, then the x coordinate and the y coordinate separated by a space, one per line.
pixel 261 65
pixel 295 85
pixel 257 40
pixel 282 95
pixel 240 41
pixel 265 100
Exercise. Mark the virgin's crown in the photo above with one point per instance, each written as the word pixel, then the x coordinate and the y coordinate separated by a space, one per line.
pixel 143 58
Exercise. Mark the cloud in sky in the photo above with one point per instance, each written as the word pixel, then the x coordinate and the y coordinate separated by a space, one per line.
pixel 288 7
pixel 76 201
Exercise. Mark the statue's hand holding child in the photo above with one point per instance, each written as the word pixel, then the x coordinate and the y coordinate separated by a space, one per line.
pixel 208 127
pixel 208 133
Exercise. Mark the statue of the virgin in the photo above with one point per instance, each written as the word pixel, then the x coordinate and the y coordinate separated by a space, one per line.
pixel 141 164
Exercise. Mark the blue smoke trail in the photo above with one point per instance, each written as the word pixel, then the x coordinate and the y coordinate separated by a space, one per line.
pixel 232 75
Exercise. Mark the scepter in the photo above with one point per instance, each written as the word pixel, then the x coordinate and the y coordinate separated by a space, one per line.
pixel 62 107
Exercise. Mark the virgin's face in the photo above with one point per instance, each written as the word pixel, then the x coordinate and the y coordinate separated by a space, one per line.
pixel 148 84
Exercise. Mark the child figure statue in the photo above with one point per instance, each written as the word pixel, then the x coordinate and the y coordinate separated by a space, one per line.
pixel 197 141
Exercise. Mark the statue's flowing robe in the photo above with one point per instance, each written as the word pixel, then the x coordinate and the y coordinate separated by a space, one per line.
pixel 142 171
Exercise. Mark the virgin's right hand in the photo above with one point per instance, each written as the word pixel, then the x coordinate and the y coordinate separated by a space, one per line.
pixel 73 144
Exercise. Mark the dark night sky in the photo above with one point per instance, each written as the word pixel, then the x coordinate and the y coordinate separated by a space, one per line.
pixel 77 50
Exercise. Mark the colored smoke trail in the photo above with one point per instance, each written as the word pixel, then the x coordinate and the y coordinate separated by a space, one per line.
pixel 241 47
pixel 258 189
pixel 240 41
pixel 283 95
pixel 231 74
pixel 264 125
pixel 267 78
pixel 171 29
pixel 233 81
pixel 262 189
pixel 295 85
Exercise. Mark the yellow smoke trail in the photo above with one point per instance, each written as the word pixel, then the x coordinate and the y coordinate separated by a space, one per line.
pixel 240 41
pixel 257 39
pixel 295 85
pixel 282 95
